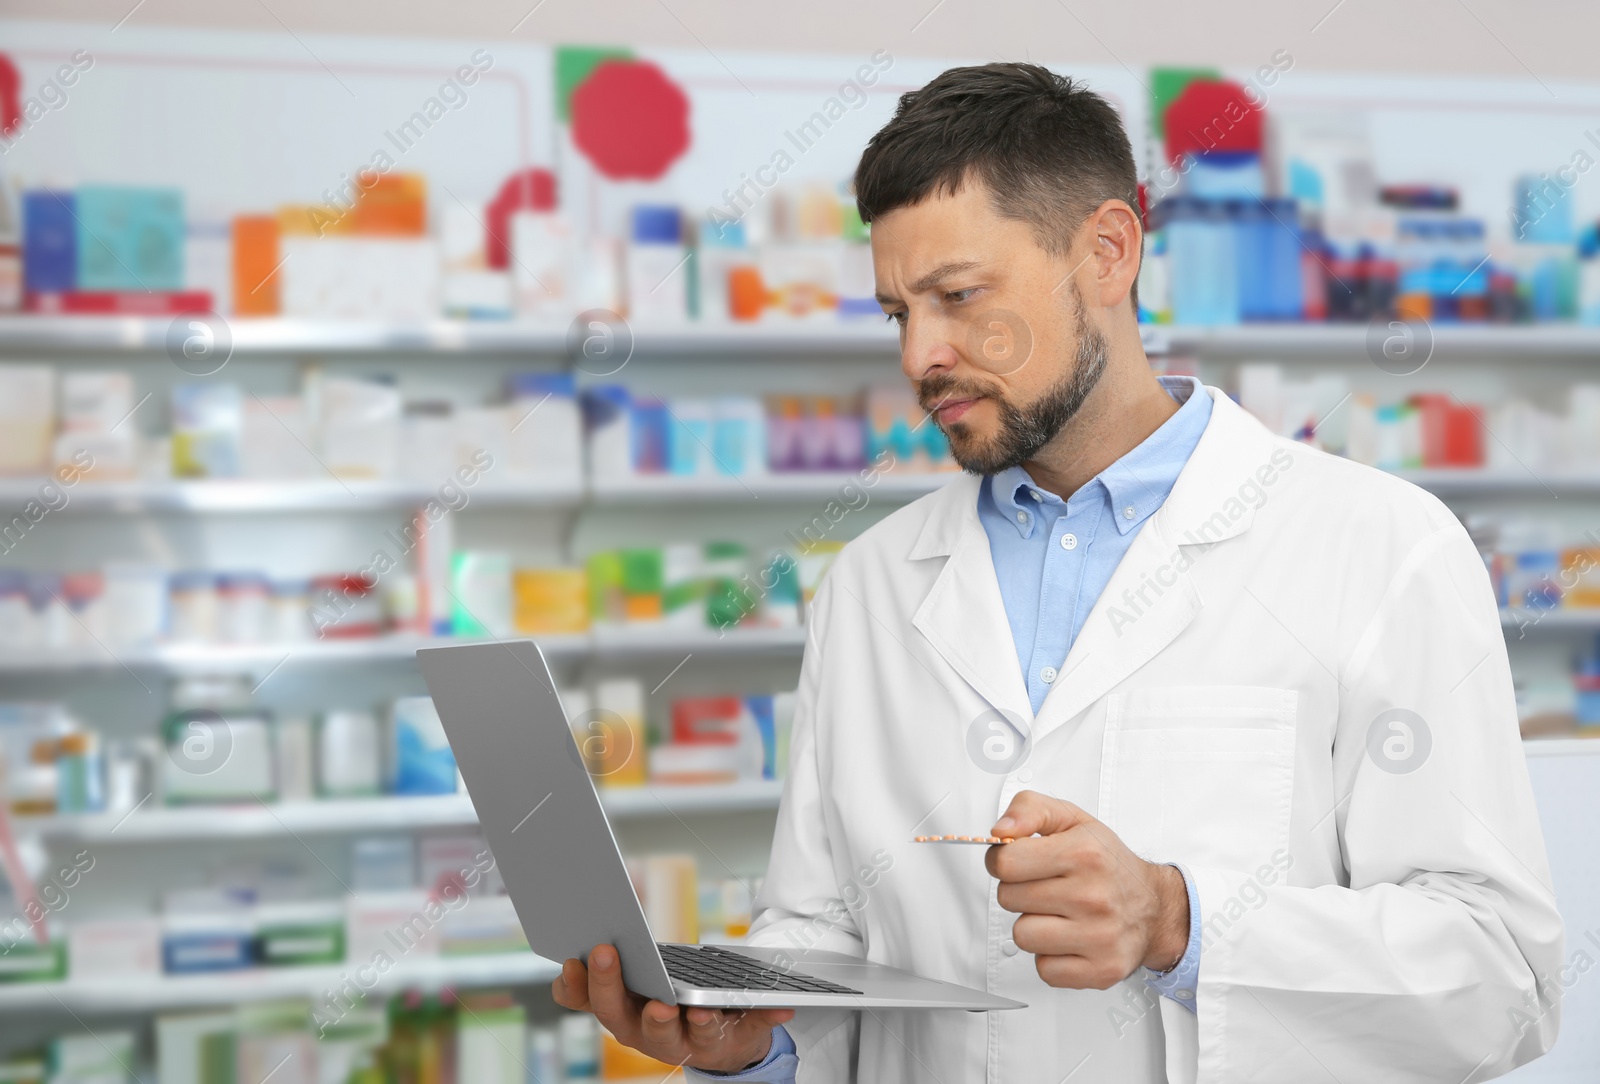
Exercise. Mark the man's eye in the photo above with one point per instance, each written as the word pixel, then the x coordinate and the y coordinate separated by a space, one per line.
pixel 896 318
pixel 959 296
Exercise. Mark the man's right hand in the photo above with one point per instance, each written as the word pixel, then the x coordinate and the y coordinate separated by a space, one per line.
pixel 720 1040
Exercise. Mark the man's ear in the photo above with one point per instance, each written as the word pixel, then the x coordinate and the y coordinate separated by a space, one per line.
pixel 1118 239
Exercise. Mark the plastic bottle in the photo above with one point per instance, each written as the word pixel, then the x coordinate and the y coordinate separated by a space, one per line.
pixel 658 281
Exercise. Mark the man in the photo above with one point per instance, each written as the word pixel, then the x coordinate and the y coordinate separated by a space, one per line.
pixel 1245 706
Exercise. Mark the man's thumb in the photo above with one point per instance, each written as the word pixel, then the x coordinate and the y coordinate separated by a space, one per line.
pixel 1032 813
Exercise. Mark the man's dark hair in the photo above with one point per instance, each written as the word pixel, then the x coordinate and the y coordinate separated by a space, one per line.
pixel 1049 149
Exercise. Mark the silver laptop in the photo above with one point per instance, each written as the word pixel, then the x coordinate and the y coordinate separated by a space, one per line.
pixel 560 863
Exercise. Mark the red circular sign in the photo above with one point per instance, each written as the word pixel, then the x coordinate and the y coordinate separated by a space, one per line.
pixel 630 120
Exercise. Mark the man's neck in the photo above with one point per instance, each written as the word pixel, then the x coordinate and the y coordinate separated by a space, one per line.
pixel 1126 406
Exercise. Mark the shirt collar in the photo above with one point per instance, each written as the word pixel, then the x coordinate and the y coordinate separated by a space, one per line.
pixel 1140 481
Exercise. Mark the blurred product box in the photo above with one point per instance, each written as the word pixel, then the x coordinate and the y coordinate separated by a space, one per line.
pixel 276 436
pixel 546 434
pixel 667 887
pixel 27 418
pixel 481 925
pixel 359 278
pixel 92 1055
pixel 543 254
pixel 350 754
pixel 114 948
pixel 207 422
pixel 256 260
pixel 49 242
pixel 206 929
pixel 422 760
pixel 299 933
pixel 550 600
pixel 481 593
pixel 358 426
pixel 489 1042
pixel 129 238
pixel 395 923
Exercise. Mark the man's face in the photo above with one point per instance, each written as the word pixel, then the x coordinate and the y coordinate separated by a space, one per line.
pixel 993 329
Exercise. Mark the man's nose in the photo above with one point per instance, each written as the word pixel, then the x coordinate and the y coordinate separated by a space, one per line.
pixel 927 347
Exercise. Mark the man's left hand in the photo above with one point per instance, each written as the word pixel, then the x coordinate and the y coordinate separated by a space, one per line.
pixel 1092 912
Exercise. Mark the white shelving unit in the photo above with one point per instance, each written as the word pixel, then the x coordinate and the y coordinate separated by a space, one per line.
pixel 309 495
pixel 624 642
pixel 140 334
pixel 143 995
pixel 204 512
pixel 356 816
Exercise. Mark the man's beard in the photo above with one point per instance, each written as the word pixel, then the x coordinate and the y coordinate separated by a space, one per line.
pixel 1023 431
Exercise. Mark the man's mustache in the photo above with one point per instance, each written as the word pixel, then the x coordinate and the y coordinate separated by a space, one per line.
pixel 935 391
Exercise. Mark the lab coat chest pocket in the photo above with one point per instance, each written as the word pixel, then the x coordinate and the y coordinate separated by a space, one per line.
pixel 1200 774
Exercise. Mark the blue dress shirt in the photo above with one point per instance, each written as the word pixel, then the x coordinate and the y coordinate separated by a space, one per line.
pixel 1053 558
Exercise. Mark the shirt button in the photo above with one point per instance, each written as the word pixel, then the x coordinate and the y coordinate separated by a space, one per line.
pixel 1186 995
pixel 1069 541
pixel 1025 776
pixel 1037 496
pixel 1048 674
pixel 1022 517
pixel 1009 947
pixel 1128 512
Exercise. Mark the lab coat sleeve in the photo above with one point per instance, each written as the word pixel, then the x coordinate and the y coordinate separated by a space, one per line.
pixel 1434 960
pixel 799 906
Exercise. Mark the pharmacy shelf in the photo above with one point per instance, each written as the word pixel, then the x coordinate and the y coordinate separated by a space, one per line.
pixel 844 486
pixel 1563 747
pixel 355 816
pixel 1483 482
pixel 132 335
pixel 624 642
pixel 1451 342
pixel 148 335
pixel 1521 623
pixel 159 992
pixel 312 495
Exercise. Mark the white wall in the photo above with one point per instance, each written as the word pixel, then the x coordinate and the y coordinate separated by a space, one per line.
pixel 1551 39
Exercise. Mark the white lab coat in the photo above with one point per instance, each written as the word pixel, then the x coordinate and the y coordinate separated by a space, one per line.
pixel 1363 923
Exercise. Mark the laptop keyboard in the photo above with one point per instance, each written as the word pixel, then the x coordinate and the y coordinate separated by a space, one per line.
pixel 713 968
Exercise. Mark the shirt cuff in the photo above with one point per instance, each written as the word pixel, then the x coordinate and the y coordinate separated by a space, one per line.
pixel 1182 983
pixel 778 1067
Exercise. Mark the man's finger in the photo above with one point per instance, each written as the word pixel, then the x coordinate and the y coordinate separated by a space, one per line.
pixel 1051 935
pixel 609 1000
pixel 706 1028
pixel 571 989
pixel 1032 813
pixel 1040 858
pixel 662 1030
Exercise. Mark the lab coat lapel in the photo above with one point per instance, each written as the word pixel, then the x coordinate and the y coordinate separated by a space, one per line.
pixel 1119 637
pixel 1152 595
pixel 963 615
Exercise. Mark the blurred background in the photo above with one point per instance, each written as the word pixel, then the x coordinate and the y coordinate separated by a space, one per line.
pixel 329 332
